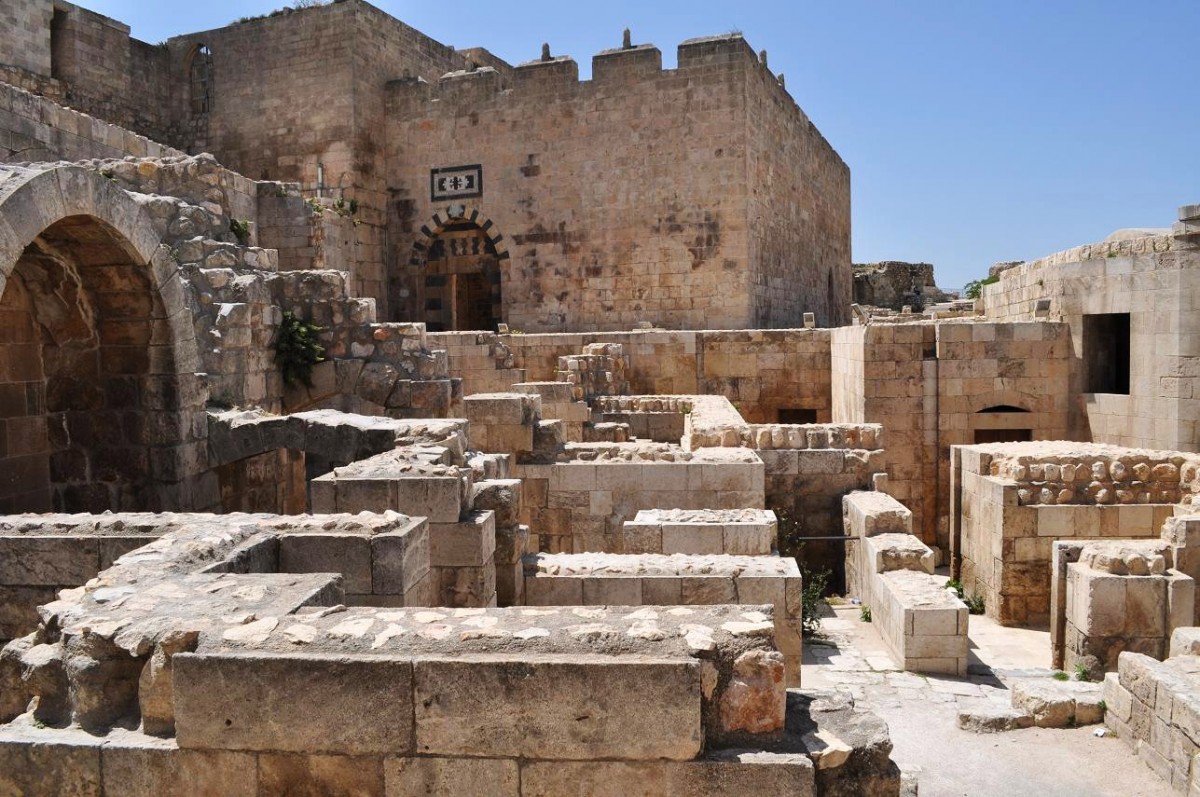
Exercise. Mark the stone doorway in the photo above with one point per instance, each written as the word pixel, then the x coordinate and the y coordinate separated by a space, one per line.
pixel 462 280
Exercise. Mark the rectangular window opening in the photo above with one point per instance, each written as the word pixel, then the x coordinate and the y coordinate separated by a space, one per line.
pixel 1106 353
pixel 796 415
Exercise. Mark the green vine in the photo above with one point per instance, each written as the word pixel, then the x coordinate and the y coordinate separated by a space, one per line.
pixel 297 349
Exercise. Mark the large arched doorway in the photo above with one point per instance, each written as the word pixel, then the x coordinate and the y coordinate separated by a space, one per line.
pixel 100 407
pixel 457 261
pixel 462 280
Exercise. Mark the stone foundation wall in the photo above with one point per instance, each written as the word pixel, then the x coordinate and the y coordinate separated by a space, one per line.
pixel 1005 546
pixel 933 385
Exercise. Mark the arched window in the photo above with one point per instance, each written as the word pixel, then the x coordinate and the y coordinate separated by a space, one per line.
pixel 201 75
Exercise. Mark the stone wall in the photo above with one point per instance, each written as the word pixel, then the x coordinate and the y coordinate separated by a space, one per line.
pixel 33 128
pixel 894 284
pixel 1007 528
pixel 763 372
pixel 933 385
pixel 602 236
pixel 26 41
pixel 1153 278
pixel 88 62
pixel 799 206
pixel 923 625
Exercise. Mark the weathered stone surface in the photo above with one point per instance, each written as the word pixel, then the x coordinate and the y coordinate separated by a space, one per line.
pixel 308 704
pixel 559 708
pixel 994 719
pixel 463 777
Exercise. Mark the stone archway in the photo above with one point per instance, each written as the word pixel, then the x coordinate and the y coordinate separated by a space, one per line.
pixel 100 403
pixel 460 254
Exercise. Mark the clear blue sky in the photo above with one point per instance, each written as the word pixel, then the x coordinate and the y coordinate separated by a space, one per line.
pixel 975 131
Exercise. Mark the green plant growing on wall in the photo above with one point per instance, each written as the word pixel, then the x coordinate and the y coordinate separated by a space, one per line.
pixel 241 230
pixel 297 349
pixel 864 614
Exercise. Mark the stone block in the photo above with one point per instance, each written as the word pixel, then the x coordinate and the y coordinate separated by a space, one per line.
pixel 502 496
pixel 693 538
pixel 348 554
pixel 603 591
pixel 736 774
pixel 451 777
pixel 282 775
pixel 49 561
pixel 400 558
pixel 308 704
pixel 157 767
pixel 468 543
pixel 33 766
pixel 558 707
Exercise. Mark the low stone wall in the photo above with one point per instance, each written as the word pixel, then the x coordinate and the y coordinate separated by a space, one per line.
pixel 738 532
pixel 1154 707
pixel 764 370
pixel 579 506
pixel 188 639
pixel 1122 596
pixel 1003 547
pixel 679 580
pixel 891 571
pixel 42 554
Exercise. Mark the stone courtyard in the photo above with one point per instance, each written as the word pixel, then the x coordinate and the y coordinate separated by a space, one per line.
pixel 316 479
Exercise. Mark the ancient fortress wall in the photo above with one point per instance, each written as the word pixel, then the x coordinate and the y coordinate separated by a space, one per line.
pixel 88 62
pixel 25 43
pixel 799 192
pixel 624 198
pixel 1154 279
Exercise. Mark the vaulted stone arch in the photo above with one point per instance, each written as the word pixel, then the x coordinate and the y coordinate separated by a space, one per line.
pixel 100 403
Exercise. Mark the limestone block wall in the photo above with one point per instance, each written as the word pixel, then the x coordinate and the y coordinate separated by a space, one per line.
pixel 26 41
pixel 799 202
pixel 933 385
pixel 923 625
pixel 1123 596
pixel 1154 279
pixel 761 371
pixel 755 582
pixel 1152 707
pixel 579 505
pixel 34 128
pixel 662 231
pixel 1004 544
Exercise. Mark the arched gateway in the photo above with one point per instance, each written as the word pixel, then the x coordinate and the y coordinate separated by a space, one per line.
pixel 461 251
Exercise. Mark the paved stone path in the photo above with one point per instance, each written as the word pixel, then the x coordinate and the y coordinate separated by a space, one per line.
pixel 922 713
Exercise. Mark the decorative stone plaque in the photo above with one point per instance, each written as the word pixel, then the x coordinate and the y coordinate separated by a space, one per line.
pixel 456 182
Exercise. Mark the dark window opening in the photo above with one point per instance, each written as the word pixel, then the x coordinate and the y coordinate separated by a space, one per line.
pixel 1106 352
pixel 58 43
pixel 1003 436
pixel 1003 408
pixel 796 415
pixel 202 80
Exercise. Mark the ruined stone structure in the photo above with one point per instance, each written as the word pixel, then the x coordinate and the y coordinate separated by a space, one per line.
pixel 287 504
pixel 895 285
pixel 485 193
